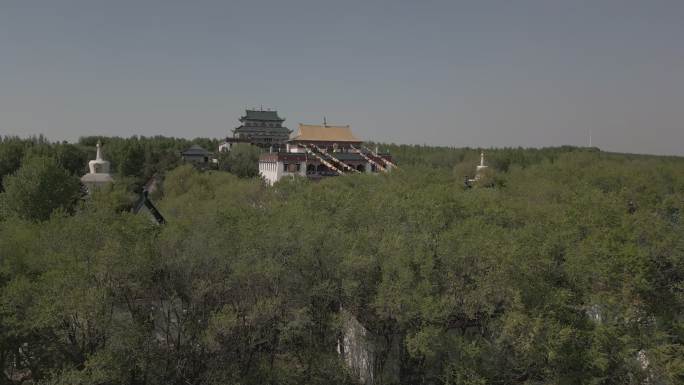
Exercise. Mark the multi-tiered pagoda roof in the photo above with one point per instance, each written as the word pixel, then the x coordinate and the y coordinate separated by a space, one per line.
pixel 263 128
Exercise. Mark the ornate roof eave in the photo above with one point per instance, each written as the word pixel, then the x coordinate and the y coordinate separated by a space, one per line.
pixel 243 118
pixel 338 142
pixel 240 128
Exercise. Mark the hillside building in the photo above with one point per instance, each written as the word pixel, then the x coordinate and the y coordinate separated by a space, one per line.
pixel 320 151
pixel 196 155
pixel 99 172
pixel 263 128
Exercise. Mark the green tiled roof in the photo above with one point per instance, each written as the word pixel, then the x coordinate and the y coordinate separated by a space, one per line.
pixel 263 130
pixel 195 150
pixel 262 115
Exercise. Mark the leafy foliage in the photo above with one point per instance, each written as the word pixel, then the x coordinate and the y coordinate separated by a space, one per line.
pixel 566 268
pixel 38 188
pixel 242 160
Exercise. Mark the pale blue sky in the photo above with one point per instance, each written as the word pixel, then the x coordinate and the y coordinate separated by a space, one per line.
pixel 459 73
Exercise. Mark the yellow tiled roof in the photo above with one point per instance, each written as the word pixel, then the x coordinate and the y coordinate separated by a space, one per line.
pixel 309 132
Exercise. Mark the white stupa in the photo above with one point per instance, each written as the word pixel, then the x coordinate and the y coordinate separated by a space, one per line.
pixel 481 167
pixel 99 171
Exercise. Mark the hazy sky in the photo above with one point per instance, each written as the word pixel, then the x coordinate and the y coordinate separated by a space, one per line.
pixel 459 73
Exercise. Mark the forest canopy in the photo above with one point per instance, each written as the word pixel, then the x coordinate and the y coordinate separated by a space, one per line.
pixel 568 268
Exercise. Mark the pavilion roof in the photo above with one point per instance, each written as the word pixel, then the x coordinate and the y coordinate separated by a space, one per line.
pixel 195 150
pixel 325 133
pixel 262 115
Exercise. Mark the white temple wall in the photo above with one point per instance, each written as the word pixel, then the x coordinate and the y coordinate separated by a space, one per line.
pixel 270 171
pixel 274 172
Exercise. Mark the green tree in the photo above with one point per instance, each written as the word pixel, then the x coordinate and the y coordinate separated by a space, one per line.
pixel 570 271
pixel 38 188
pixel 72 158
pixel 242 160
pixel 132 159
pixel 12 150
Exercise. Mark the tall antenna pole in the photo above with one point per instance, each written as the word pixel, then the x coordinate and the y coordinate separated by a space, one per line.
pixel 590 137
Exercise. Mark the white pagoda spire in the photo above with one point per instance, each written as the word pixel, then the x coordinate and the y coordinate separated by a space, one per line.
pixel 99 165
pixel 99 151
pixel 99 171
pixel 481 166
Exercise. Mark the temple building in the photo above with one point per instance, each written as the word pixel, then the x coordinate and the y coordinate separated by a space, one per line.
pixel 99 172
pixel 317 151
pixel 262 128
pixel 196 155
